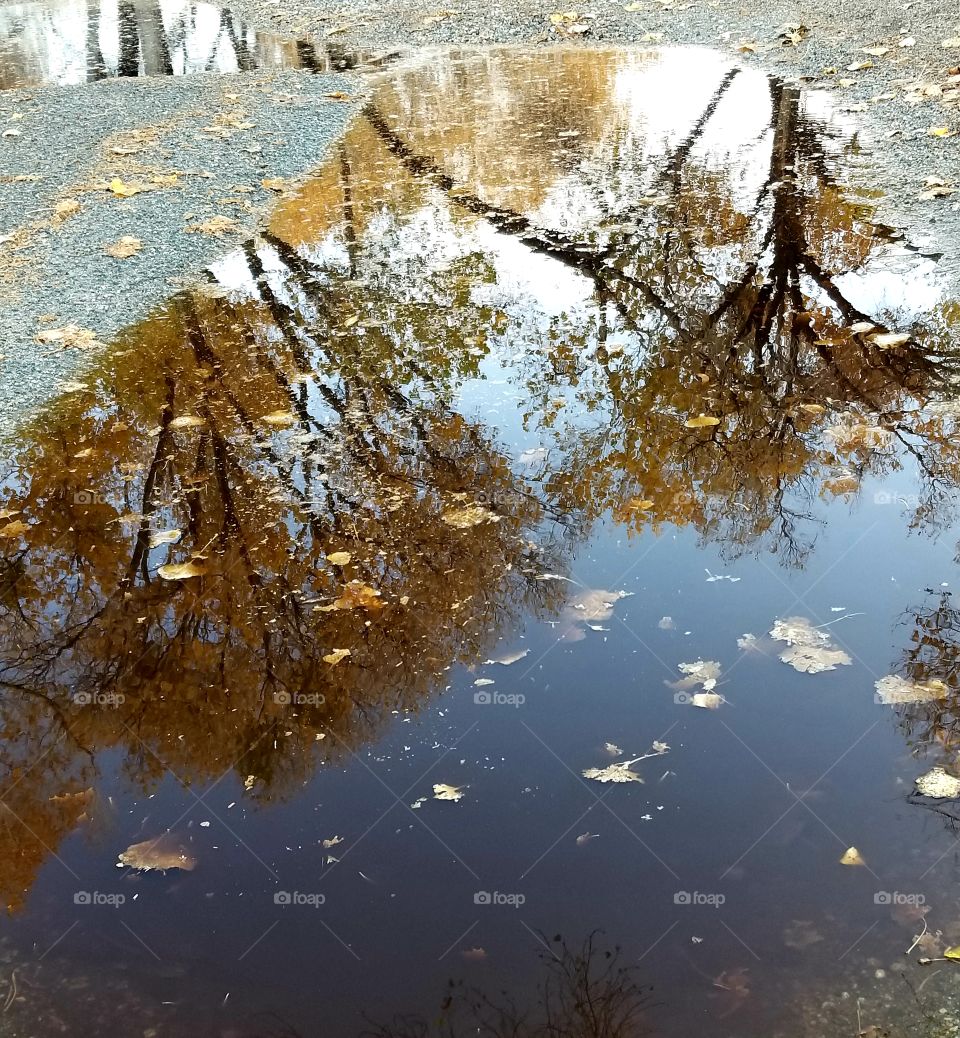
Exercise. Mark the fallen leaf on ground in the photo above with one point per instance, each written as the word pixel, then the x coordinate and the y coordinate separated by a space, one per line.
pixel 66 207
pixel 164 852
pixel 123 190
pixel 70 337
pixel 124 248
pixel 273 183
pixel 215 225
pixel 441 791
pixel 938 784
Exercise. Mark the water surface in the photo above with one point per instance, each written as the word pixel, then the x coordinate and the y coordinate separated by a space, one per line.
pixel 539 390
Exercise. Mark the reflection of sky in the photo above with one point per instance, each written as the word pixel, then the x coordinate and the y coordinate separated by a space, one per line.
pixel 51 38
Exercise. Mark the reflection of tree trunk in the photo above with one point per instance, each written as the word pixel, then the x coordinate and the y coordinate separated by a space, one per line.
pixel 96 69
pixel 153 39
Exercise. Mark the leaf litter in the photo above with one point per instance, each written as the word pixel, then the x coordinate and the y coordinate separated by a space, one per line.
pixel 622 771
pixel 809 649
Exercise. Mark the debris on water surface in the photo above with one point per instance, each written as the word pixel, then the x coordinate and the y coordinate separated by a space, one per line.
pixel 441 791
pixel 182 570
pixel 894 690
pixel 469 515
pixel 809 650
pixel 939 784
pixel 700 672
pixel 157 855
pixel 622 771
pixel 585 838
pixel 851 856
pixel 509 657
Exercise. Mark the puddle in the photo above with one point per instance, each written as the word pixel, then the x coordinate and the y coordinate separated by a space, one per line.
pixel 504 448
pixel 66 42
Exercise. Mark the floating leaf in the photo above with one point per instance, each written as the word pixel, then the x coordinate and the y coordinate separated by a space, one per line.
pixel 279 419
pixel 890 340
pixel 893 690
pixel 164 852
pixel 14 529
pixel 332 842
pixel 337 656
pixel 851 856
pixel 339 558
pixel 158 537
pixel 354 596
pixel 707 700
pixel 702 672
pixel 812 659
pixel 509 657
pixel 469 515
pixel 702 421
pixel 187 421
pixel 613 773
pixel 182 570
pixel 441 791
pixel 585 838
pixel 939 784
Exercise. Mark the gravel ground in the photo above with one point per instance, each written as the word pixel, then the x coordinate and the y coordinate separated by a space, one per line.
pixel 54 271
pixel 55 264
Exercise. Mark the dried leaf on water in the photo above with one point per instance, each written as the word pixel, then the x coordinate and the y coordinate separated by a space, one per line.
pixel 702 672
pixel 702 421
pixel 187 421
pixel 14 529
pixel 158 537
pixel 707 700
pixel 182 570
pixel 851 856
pixel 469 515
pixel 893 690
pixel 585 838
pixel 337 656
pixel 809 650
pixel 441 791
pixel 938 784
pixel 355 595
pixel 339 558
pixel 613 773
pixel 279 419
pixel 162 853
pixel 509 657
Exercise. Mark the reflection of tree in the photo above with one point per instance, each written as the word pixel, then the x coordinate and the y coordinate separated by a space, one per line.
pixel 716 304
pixel 304 406
pixel 586 992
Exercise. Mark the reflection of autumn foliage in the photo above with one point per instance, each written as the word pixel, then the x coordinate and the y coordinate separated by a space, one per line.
pixel 269 443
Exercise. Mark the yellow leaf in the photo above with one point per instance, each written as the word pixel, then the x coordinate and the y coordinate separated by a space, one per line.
pixel 953 954
pixel 640 504
pixel 441 791
pixel 336 656
pixel 701 421
pixel 187 421
pixel 122 190
pixel 273 183
pixel 279 419
pixel 14 529
pixel 941 131
pixel 633 7
pixel 851 856
pixel 339 558
pixel 66 207
pixel 354 596
pixel 124 248
pixel 337 95
pixel 182 570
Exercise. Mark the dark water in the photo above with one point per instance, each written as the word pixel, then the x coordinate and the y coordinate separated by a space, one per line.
pixel 563 357
pixel 66 42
